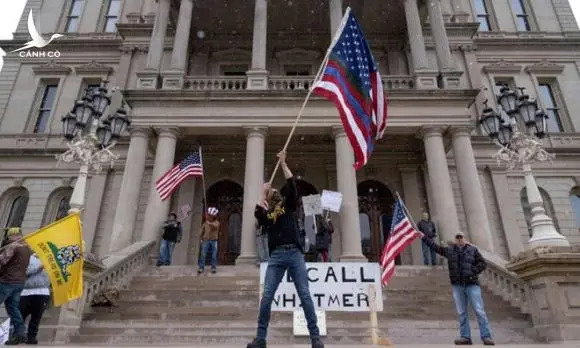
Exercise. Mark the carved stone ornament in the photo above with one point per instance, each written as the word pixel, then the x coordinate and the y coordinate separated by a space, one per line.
pixel 51 68
pixel 502 67
pixel 93 67
pixel 543 251
pixel 545 66
pixel 17 182
pixel 68 182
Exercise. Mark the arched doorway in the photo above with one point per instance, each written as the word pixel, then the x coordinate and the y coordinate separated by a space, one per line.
pixel 376 210
pixel 306 223
pixel 227 196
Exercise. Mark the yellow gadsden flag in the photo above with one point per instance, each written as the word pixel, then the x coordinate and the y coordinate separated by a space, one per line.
pixel 59 248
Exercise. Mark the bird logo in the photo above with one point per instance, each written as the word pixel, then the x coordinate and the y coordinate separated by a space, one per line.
pixel 37 40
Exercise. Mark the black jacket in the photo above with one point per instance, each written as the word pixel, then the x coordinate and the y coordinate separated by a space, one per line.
pixel 465 264
pixel 323 236
pixel 172 231
pixel 428 228
pixel 285 226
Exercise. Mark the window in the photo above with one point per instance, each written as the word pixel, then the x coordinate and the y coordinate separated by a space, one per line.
pixel 233 70
pixel 482 15
pixel 15 203
pixel 575 203
pixel 112 15
pixel 57 205
pixel 74 16
pixel 548 207
pixel 548 99
pixel 297 69
pixel 522 20
pixel 45 109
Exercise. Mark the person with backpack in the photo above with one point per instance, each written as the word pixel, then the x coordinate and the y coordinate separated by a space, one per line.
pixel 35 297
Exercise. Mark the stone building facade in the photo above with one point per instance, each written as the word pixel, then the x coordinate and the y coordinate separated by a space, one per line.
pixel 231 76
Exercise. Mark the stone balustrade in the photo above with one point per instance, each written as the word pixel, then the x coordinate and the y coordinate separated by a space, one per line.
pixel 279 83
pixel 502 282
pixel 215 83
pixel 116 270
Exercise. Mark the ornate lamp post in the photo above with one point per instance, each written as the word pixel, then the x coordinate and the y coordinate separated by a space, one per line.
pixel 90 137
pixel 521 149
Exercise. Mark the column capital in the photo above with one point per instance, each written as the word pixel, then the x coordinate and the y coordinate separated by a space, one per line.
pixel 428 132
pixel 259 131
pixel 168 132
pixel 140 132
pixel 463 131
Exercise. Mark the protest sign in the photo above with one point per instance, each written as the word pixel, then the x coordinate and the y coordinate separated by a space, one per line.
pixel 331 200
pixel 311 205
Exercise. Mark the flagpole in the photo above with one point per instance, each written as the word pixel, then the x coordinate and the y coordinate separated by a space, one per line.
pixel 203 181
pixel 316 78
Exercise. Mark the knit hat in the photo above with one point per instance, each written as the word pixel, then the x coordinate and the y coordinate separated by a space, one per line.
pixel 212 211
pixel 14 231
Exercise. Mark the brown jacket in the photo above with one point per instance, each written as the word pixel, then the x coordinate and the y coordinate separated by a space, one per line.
pixel 210 230
pixel 14 259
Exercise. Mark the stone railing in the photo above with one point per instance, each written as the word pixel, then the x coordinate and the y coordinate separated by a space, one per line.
pixel 215 83
pixel 502 282
pixel 278 83
pixel 290 83
pixel 116 270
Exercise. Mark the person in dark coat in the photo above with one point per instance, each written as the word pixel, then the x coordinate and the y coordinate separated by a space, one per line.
pixel 171 236
pixel 277 212
pixel 465 264
pixel 324 232
pixel 428 228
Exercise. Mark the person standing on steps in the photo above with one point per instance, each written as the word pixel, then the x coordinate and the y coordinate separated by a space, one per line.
pixel 209 239
pixel 14 258
pixel 428 228
pixel 276 212
pixel 465 264
pixel 171 235
pixel 324 232
pixel 35 297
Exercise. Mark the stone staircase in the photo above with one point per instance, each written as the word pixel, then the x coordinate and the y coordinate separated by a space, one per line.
pixel 174 306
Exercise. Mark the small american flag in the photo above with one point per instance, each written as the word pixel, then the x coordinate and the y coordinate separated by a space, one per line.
pixel 190 166
pixel 352 82
pixel 402 234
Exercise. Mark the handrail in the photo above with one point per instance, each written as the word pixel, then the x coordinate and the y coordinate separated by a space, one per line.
pixel 119 268
pixel 502 282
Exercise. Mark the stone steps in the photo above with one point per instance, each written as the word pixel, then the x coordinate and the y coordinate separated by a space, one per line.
pixel 176 306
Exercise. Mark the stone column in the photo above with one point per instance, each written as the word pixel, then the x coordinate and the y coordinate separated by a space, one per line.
pixel 472 196
pixel 447 68
pixel 335 7
pixel 444 210
pixel 157 210
pixel 413 196
pixel 253 181
pixel 173 79
pixel 507 213
pixel 424 77
pixel 128 202
pixel 94 203
pixel 258 75
pixel 148 79
pixel 347 185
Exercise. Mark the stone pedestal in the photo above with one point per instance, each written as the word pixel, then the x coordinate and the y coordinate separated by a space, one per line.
pixel 553 278
pixel 173 79
pixel 426 79
pixel 451 79
pixel 148 79
pixel 257 79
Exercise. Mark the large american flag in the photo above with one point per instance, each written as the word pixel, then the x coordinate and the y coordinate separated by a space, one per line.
pixel 190 166
pixel 352 81
pixel 402 234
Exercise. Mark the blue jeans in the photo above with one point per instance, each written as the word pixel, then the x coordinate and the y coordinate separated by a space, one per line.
pixel 262 247
pixel 428 252
pixel 205 245
pixel 10 295
pixel 165 252
pixel 282 260
pixel 462 294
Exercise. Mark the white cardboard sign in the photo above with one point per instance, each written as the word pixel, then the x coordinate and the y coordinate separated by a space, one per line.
pixel 311 205
pixel 331 200
pixel 334 286
pixel 300 327
pixel 4 331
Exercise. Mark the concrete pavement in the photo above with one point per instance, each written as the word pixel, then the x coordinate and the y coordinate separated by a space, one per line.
pixel 566 345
